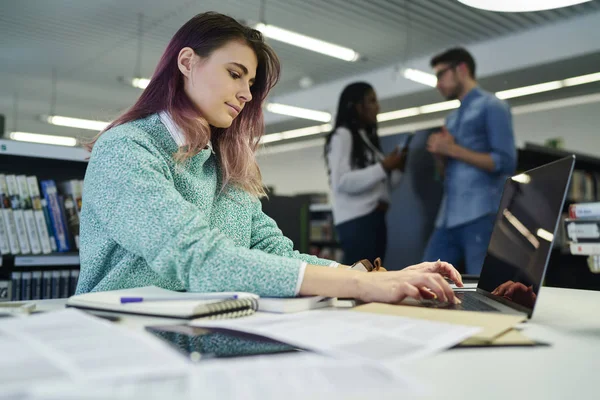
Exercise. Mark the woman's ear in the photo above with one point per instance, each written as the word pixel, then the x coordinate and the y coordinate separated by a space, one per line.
pixel 185 61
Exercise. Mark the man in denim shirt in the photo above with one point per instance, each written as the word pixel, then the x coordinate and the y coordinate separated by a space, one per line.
pixel 475 152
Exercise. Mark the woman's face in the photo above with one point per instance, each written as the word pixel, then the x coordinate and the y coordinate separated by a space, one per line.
pixel 369 108
pixel 219 85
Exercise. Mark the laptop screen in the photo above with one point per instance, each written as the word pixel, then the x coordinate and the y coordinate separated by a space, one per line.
pixel 522 237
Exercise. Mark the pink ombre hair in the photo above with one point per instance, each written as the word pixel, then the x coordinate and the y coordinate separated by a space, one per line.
pixel 236 145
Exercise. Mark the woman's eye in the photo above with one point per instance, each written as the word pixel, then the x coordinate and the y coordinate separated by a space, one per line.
pixel 234 75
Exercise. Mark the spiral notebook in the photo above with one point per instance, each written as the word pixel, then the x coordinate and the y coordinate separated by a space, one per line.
pixel 157 302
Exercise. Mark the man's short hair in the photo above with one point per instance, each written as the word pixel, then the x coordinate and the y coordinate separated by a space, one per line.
pixel 456 56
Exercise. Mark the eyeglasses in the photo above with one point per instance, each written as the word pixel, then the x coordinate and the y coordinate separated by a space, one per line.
pixel 442 71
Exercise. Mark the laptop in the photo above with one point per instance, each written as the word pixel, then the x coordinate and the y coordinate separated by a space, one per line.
pixel 521 241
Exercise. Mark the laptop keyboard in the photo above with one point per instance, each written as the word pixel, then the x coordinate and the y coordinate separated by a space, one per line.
pixel 469 303
pixel 472 303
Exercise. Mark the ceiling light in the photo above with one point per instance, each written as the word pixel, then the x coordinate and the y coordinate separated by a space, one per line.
pixel 505 94
pixel 420 77
pixel 75 122
pixel 580 80
pixel 443 106
pixel 296 133
pixel 527 90
pixel 298 112
pixel 140 83
pixel 46 139
pixel 307 42
pixel 520 5
pixel 398 114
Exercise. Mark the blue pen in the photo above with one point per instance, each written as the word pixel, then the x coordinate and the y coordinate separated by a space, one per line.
pixel 189 297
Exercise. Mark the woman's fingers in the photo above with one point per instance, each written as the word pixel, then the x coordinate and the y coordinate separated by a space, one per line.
pixel 427 294
pixel 448 270
pixel 437 285
pixel 407 290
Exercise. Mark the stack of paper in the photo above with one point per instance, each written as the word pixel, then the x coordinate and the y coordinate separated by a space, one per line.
pixel 384 339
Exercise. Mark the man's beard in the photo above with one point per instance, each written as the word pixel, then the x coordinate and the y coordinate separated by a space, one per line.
pixel 455 93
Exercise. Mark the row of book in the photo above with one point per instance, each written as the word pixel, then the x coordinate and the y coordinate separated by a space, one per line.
pixel 39 285
pixel 322 230
pixel 583 232
pixel 34 221
pixel 584 187
pixel 327 252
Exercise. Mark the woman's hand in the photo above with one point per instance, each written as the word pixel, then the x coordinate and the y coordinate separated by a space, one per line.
pixel 422 281
pixel 443 268
pixel 395 160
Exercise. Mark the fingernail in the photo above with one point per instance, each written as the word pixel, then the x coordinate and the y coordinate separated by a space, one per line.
pixel 457 301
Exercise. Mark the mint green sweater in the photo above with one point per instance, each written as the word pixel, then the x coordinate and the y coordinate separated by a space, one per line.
pixel 147 220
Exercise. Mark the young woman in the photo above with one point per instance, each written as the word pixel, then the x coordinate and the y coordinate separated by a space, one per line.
pixel 172 186
pixel 361 177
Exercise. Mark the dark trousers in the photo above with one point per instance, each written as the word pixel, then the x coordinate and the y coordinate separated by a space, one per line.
pixel 363 237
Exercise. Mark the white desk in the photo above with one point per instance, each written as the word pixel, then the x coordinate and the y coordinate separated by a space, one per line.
pixel 569 320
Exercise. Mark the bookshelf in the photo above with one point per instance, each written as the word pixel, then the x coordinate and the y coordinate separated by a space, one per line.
pixel 565 269
pixel 323 241
pixel 37 276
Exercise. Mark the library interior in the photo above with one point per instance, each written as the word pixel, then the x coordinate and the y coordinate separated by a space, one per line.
pixel 261 199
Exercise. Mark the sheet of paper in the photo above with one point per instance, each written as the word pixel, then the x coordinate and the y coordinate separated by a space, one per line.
pixel 71 346
pixel 493 324
pixel 377 338
pixel 299 376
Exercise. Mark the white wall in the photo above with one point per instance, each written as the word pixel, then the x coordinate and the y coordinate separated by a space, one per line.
pixel 293 172
pixel 579 126
pixel 303 170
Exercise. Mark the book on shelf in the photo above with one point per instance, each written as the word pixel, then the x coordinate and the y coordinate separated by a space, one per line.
pixel 584 249
pixel 26 285
pixel 15 202
pixel 57 218
pixel 9 218
pixel 583 230
pixel 36 285
pixel 584 210
pixel 27 206
pixel 40 218
pixel 5 290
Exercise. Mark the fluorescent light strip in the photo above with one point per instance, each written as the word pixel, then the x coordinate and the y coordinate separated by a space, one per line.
pixel 46 139
pixel 580 80
pixel 298 112
pixel 418 76
pixel 140 83
pixel 505 94
pixel 307 42
pixel 296 133
pixel 436 107
pixel 76 122
pixel 398 114
pixel 414 111
pixel 527 90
